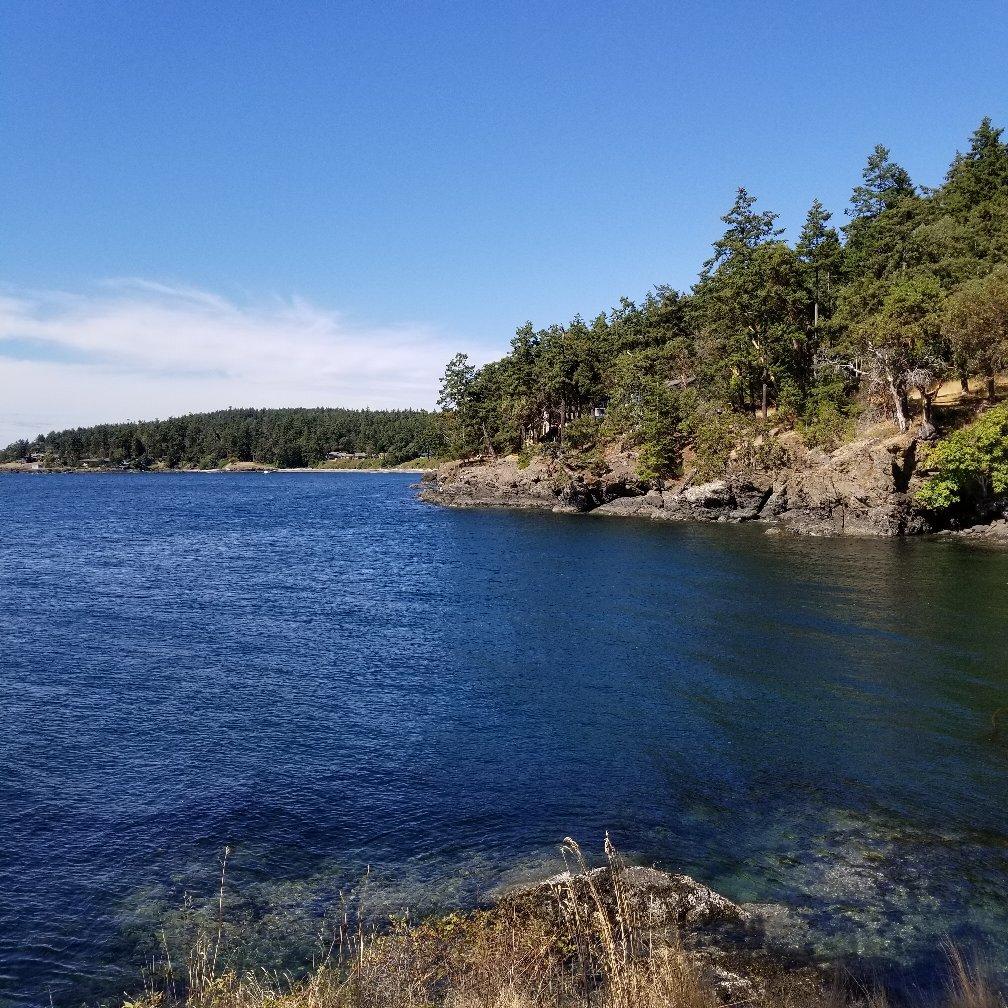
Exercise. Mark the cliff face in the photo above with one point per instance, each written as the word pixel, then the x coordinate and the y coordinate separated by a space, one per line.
pixel 864 488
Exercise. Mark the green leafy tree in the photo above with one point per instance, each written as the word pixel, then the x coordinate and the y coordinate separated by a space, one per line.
pixel 979 175
pixel 895 348
pixel 749 296
pixel 976 325
pixel 463 397
pixel 884 186
pixel 970 465
pixel 819 255
pixel 645 410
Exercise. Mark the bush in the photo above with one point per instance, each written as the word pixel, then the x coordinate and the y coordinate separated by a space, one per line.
pixel 582 432
pixel 645 412
pixel 524 458
pixel 714 433
pixel 822 414
pixel 970 465
pixel 825 425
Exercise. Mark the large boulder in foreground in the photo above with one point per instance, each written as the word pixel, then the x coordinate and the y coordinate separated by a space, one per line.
pixel 657 899
pixel 739 951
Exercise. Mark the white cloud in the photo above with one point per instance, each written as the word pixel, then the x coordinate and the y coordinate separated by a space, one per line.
pixel 138 350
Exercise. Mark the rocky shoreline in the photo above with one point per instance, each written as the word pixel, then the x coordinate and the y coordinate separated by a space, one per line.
pixel 865 488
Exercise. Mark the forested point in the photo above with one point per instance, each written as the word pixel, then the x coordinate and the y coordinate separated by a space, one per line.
pixel 846 328
pixel 288 438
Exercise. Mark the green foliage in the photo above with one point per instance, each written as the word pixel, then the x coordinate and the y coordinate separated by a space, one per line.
pixel 582 432
pixel 884 186
pixel 975 323
pixel 969 465
pixel 524 458
pixel 645 411
pixel 913 288
pixel 714 432
pixel 656 460
pixel 826 420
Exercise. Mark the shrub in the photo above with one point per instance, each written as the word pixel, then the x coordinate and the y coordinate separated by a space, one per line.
pixel 714 433
pixel 582 432
pixel 825 425
pixel 645 412
pixel 822 413
pixel 970 465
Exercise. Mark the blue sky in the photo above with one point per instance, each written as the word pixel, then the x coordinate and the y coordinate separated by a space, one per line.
pixel 368 187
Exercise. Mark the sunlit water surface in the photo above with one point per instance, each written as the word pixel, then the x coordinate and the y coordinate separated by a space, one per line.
pixel 325 674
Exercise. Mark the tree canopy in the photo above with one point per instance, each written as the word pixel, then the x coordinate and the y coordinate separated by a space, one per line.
pixel 843 324
pixel 872 316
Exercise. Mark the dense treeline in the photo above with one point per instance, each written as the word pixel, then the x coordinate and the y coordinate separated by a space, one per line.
pixel 280 437
pixel 911 291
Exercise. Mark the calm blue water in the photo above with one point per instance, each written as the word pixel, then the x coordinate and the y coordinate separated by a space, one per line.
pixel 324 673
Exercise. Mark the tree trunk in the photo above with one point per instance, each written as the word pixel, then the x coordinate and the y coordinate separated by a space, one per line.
pixel 897 390
pixel 901 405
pixel 764 374
pixel 489 443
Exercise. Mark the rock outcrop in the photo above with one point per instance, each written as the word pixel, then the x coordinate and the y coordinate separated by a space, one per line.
pixel 993 533
pixel 864 488
pixel 738 951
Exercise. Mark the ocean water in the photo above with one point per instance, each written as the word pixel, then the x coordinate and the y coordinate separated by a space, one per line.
pixel 323 674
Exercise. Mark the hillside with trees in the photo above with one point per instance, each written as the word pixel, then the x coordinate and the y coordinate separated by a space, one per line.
pixel 845 328
pixel 274 437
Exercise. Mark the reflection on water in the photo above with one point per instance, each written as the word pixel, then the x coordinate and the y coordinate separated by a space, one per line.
pixel 325 674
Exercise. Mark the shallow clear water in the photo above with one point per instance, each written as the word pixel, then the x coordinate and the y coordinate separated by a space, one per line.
pixel 324 673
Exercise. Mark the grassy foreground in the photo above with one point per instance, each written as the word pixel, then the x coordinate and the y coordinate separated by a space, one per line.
pixel 594 952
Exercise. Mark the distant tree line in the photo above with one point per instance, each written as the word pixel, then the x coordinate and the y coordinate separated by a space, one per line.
pixel 278 437
pixel 910 292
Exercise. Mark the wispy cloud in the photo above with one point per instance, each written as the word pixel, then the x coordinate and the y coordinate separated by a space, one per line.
pixel 134 349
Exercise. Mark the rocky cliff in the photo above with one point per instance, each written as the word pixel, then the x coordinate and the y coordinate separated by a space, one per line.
pixel 863 488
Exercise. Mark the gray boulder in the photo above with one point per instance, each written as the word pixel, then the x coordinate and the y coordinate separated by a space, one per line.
pixel 715 494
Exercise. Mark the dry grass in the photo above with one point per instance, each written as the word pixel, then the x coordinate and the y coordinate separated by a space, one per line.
pixel 583 953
